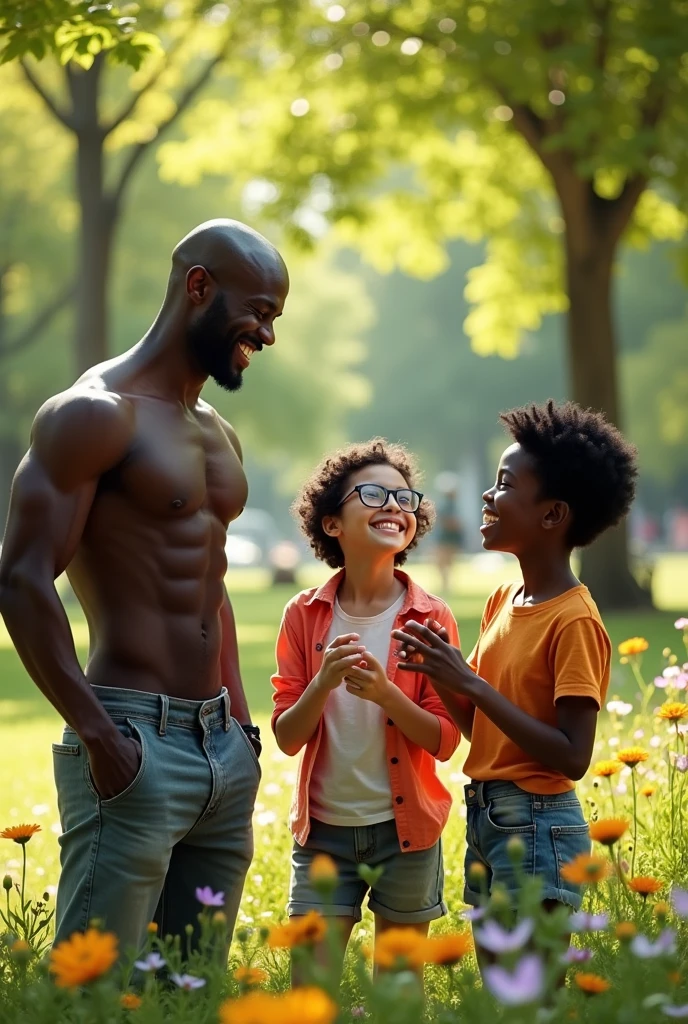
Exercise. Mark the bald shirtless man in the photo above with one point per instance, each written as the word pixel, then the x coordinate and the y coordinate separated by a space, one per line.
pixel 129 485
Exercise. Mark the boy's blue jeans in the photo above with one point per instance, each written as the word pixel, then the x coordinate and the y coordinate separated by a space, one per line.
pixel 184 822
pixel 550 826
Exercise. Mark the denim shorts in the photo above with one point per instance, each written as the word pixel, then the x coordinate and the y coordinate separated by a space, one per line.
pixel 409 891
pixel 551 827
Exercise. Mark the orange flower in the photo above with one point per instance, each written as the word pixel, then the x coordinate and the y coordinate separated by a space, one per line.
pixel 673 711
pixel 83 958
pixel 152 928
pixel 592 984
pixel 20 833
pixel 636 645
pixel 399 945
pixel 130 1001
pixel 674 977
pixel 447 949
pixel 644 885
pixel 626 930
pixel 648 790
pixel 603 769
pixel 632 756
pixel 298 931
pixel 661 909
pixel 250 976
pixel 608 830
pixel 308 1005
pixel 586 870
pixel 323 869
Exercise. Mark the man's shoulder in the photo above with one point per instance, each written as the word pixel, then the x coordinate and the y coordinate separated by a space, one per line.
pixel 209 412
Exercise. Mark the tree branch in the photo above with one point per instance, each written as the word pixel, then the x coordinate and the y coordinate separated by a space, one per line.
pixel 133 103
pixel 187 97
pixel 58 113
pixel 40 322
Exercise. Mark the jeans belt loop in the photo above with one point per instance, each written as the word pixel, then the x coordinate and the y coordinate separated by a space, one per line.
pixel 225 704
pixel 482 802
pixel 164 709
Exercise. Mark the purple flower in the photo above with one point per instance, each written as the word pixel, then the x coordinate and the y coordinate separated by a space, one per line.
pixel 681 624
pixel 648 950
pixel 524 985
pixel 576 955
pixel 680 761
pixel 358 1012
pixel 187 981
pixel 496 939
pixel 582 922
pixel 679 901
pixel 208 898
pixel 474 913
pixel 153 962
pixel 661 682
pixel 675 1011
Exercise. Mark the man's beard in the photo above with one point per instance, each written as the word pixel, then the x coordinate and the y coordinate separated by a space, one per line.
pixel 210 348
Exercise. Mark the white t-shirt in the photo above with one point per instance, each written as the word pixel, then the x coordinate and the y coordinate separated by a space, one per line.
pixel 350 780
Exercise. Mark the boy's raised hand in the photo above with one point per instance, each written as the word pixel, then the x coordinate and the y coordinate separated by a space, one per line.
pixel 339 657
pixel 427 648
pixel 368 680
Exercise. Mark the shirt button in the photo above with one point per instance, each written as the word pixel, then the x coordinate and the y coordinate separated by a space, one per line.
pixel 400 799
pixel 390 722
pixel 318 647
pixel 406 844
pixel 395 760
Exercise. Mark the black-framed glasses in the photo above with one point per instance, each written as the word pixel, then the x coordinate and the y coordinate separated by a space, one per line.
pixel 375 496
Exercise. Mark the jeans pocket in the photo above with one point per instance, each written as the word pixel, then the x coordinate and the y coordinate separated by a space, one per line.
pixel 67 749
pixel 254 756
pixel 511 815
pixel 569 842
pixel 132 731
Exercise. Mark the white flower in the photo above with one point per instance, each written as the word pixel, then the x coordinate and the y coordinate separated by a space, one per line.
pixel 619 707
pixel 665 945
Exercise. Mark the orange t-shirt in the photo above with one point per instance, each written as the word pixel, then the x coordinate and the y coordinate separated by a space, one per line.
pixel 533 655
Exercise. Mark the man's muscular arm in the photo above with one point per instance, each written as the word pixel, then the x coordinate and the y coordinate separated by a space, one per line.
pixel 230 672
pixel 76 437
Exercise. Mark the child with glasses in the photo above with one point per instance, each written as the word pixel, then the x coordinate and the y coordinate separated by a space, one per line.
pixel 367 790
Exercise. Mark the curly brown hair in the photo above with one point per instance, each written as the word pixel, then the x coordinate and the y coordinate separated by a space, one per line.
pixel 325 488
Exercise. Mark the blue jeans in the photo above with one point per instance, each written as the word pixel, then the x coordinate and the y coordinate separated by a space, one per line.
pixel 184 821
pixel 551 827
pixel 409 890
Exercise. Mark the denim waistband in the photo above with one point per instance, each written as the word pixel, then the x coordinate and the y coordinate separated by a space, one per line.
pixel 481 793
pixel 163 711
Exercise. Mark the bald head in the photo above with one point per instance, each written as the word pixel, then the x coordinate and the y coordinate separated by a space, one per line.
pixel 228 285
pixel 225 248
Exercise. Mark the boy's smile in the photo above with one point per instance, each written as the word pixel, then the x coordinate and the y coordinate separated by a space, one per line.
pixel 359 527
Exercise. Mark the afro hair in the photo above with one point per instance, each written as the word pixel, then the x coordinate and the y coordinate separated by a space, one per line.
pixel 581 459
pixel 322 492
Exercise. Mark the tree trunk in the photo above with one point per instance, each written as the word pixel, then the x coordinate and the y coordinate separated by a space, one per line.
pixel 98 214
pixel 593 373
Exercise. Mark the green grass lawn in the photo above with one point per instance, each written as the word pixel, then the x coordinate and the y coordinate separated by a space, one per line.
pixel 28 724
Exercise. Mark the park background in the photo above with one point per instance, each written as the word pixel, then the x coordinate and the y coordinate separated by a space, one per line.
pixel 479 207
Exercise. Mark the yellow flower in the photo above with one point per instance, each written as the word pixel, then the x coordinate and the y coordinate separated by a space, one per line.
pixel 298 931
pixel 83 958
pixel 152 928
pixel 446 949
pixel 625 930
pixel 130 1001
pixel 399 945
pixel 648 790
pixel 323 869
pixel 604 769
pixel 661 909
pixel 645 885
pixel 20 833
pixel 592 984
pixel 608 830
pixel 307 1005
pixel 636 645
pixel 586 870
pixel 632 756
pixel 250 976
pixel 673 711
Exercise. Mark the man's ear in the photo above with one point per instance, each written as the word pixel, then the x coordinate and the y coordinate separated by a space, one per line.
pixel 198 282
pixel 556 516
pixel 330 525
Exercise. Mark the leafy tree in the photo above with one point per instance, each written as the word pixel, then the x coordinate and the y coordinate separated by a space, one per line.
pixel 538 124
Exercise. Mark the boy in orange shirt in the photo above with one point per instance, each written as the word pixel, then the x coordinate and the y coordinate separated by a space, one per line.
pixel 367 790
pixel 529 695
